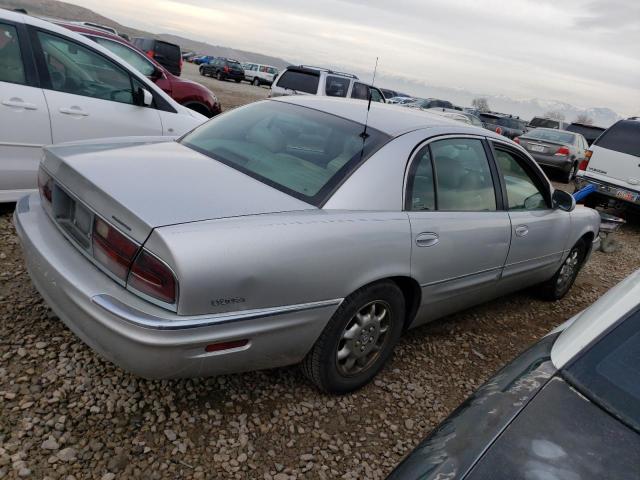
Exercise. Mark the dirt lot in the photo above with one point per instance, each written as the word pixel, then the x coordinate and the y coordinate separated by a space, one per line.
pixel 67 414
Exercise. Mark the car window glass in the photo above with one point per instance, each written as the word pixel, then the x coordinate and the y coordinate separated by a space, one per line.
pixel 263 68
pixel 623 137
pixel 360 91
pixel 299 81
pixel 376 96
pixel 420 189
pixel 463 176
pixel 11 67
pixel 608 373
pixel 522 192
pixel 133 58
pixel 551 135
pixel 167 51
pixel 80 71
pixel 336 86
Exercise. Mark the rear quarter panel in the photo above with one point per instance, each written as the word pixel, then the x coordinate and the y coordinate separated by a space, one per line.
pixel 281 259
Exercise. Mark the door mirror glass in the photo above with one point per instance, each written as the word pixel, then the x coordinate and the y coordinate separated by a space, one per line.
pixel 563 200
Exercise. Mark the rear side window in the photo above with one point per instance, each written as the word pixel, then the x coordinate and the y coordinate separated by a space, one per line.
pixel 360 91
pixel 420 189
pixel 11 67
pixel 306 82
pixel 336 86
pixel 623 137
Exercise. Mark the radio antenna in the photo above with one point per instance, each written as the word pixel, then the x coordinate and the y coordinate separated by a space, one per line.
pixel 364 133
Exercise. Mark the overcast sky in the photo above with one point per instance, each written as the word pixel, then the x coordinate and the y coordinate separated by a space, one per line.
pixel 584 52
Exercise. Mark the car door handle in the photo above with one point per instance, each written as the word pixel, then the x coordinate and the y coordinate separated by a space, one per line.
pixel 522 230
pixel 74 111
pixel 427 239
pixel 19 103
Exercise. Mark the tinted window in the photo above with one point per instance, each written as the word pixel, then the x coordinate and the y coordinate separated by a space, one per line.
pixel 168 51
pixel 11 67
pixel 543 122
pixel 298 150
pixel 75 69
pixel 299 81
pixel 420 190
pixel 522 192
pixel 489 119
pixel 590 133
pixel 551 135
pixel 133 58
pixel 511 123
pixel 376 95
pixel 463 176
pixel 623 137
pixel 337 86
pixel 609 372
pixel 360 91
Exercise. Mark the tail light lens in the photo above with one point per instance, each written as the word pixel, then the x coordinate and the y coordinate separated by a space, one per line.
pixel 585 163
pixel 152 277
pixel 150 53
pixel 112 249
pixel 45 185
pixel 226 69
pixel 562 151
pixel 517 140
pixel 499 130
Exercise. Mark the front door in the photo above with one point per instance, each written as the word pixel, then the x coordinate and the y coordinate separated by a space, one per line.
pixel 460 237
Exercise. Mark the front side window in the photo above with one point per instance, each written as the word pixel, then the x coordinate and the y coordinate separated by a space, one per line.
pixel 300 151
pixel 76 69
pixel 463 176
pixel 298 81
pixel 522 192
pixel 337 86
pixel 623 137
pixel 11 67
pixel 133 58
pixel 608 373
pixel 420 188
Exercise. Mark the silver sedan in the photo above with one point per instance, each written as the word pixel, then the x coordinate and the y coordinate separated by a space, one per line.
pixel 300 229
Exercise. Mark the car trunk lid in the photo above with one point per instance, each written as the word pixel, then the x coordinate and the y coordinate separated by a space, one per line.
pixel 142 183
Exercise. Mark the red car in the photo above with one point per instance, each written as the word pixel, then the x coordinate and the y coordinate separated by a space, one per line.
pixel 190 94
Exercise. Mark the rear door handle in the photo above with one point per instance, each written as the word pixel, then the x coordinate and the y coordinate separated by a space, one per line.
pixel 427 239
pixel 522 230
pixel 74 111
pixel 16 102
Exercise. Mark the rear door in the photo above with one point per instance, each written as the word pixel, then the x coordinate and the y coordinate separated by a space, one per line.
pixel 539 233
pixel 616 155
pixel 24 116
pixel 460 234
pixel 89 95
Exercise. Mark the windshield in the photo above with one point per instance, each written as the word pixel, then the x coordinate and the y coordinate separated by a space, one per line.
pixel 300 151
pixel 608 373
pixel 557 136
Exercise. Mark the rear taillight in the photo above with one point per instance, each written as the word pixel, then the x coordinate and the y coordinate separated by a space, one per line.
pixel 112 249
pixel 562 151
pixel 517 140
pixel 150 53
pixel 585 163
pixel 45 185
pixel 152 277
pixel 499 130
pixel 226 69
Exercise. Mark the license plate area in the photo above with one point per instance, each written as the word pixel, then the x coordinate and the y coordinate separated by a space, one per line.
pixel 74 218
pixel 536 148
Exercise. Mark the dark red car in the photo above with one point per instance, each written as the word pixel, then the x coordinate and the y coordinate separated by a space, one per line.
pixel 190 94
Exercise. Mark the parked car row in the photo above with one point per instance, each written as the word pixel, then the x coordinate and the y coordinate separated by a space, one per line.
pixel 223 69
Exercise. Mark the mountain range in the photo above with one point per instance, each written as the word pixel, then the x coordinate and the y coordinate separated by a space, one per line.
pixel 524 108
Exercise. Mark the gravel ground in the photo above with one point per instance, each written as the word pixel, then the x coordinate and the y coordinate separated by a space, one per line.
pixel 67 414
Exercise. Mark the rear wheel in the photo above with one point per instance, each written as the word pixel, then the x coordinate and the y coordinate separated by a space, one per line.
pixel 557 286
pixel 256 82
pixel 571 174
pixel 219 76
pixel 358 340
pixel 238 80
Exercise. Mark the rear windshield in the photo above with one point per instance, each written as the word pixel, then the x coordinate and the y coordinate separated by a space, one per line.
pixel 297 150
pixel 168 50
pixel 510 123
pixel 306 82
pixel 558 136
pixel 609 372
pixel 623 137
pixel 544 123
pixel 588 132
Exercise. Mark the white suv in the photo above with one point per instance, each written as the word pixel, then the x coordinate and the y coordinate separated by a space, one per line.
pixel 613 165
pixel 258 74
pixel 304 80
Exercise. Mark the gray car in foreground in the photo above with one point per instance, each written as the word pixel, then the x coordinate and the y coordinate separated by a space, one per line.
pixel 289 231
pixel 558 149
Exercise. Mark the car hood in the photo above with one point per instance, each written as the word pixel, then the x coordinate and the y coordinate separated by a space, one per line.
pixel 142 183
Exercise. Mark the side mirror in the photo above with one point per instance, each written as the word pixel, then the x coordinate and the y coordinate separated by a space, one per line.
pixel 563 201
pixel 157 73
pixel 143 97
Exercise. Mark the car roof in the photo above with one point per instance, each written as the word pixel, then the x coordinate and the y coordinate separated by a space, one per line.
pixel 590 324
pixel 390 119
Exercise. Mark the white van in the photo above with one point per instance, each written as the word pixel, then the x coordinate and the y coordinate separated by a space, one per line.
pixel 613 165
pixel 258 74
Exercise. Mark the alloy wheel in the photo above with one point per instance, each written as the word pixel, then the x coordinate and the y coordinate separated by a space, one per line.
pixel 568 270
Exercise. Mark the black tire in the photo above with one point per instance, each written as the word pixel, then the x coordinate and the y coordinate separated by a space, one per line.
pixel 219 76
pixel 255 82
pixel 567 177
pixel 201 71
pixel 238 80
pixel 559 285
pixel 322 366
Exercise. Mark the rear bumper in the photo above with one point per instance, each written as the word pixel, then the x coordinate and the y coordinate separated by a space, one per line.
pixel 149 341
pixel 560 163
pixel 607 190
